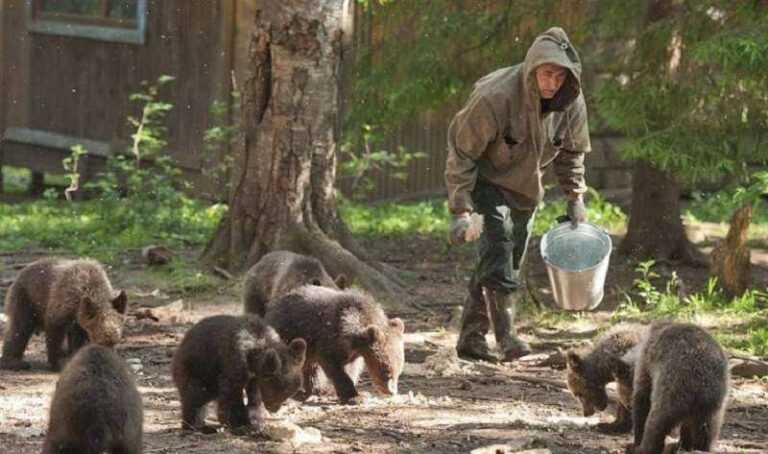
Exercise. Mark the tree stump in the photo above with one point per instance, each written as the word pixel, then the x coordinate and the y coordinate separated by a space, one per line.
pixel 731 256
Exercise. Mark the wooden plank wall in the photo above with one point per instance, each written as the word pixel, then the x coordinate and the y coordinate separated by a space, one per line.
pixel 87 93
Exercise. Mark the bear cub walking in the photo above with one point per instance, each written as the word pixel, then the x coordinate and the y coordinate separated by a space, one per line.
pixel 70 299
pixel 96 407
pixel 681 378
pixel 341 326
pixel 223 356
pixel 280 272
pixel 587 374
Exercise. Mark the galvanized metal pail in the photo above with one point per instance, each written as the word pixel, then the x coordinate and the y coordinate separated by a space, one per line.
pixel 577 262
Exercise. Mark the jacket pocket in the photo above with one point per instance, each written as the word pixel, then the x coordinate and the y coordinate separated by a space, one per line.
pixel 506 153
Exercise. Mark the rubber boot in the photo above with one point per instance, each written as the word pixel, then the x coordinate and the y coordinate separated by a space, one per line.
pixel 503 307
pixel 474 324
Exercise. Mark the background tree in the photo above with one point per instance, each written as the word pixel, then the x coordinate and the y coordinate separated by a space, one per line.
pixel 284 195
pixel 688 87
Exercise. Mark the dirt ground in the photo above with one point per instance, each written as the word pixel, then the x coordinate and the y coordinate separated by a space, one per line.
pixel 446 405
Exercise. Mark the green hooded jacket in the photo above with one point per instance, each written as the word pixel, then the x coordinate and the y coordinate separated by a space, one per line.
pixel 501 135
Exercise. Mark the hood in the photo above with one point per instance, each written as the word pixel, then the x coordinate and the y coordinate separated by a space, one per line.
pixel 553 46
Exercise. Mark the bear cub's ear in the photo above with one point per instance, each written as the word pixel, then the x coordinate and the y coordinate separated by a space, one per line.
pixel 367 337
pixel 120 301
pixel 298 349
pixel 89 308
pixel 397 325
pixel 270 362
pixel 573 360
pixel 341 281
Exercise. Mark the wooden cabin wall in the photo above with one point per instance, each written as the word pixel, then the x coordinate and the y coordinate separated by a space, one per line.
pixel 80 87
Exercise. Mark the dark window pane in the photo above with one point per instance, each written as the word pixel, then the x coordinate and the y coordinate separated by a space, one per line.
pixel 82 7
pixel 123 9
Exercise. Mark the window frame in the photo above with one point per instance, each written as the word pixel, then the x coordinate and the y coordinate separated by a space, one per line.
pixel 82 26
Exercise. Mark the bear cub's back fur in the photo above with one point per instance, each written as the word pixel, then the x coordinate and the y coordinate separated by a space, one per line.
pixel 277 274
pixel 340 326
pixel 681 378
pixel 96 406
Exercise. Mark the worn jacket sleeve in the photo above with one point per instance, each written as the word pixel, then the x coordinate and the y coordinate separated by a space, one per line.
pixel 569 163
pixel 469 134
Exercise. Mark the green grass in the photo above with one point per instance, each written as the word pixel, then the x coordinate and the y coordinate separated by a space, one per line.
pixel 104 229
pixel 432 217
pixel 740 324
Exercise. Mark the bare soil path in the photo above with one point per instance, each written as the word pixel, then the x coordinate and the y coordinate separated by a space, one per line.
pixel 446 405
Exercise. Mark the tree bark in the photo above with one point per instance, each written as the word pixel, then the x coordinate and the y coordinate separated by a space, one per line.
pixel 655 227
pixel 731 257
pixel 284 187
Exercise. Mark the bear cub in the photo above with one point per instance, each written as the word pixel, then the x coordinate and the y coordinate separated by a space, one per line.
pixel 681 378
pixel 96 407
pixel 70 299
pixel 587 374
pixel 279 272
pixel 340 327
pixel 221 357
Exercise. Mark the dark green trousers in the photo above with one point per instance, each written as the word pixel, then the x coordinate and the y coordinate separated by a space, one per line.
pixel 503 243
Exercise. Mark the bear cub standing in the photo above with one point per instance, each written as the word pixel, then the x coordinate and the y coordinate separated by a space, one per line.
pixel 223 355
pixel 280 272
pixel 96 407
pixel 64 298
pixel 587 374
pixel 341 326
pixel 681 377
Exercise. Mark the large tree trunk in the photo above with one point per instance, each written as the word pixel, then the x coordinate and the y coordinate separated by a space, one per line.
pixel 655 227
pixel 284 196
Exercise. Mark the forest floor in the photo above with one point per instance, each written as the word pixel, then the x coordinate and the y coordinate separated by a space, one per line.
pixel 446 405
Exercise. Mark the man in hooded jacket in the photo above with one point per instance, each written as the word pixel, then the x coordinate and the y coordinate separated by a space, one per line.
pixel 517 121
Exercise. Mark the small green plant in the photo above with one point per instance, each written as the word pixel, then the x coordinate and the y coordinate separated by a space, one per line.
pixel 139 201
pixel 72 172
pixel 365 154
pixel 218 142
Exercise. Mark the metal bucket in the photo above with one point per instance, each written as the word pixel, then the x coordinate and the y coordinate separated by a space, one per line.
pixel 577 262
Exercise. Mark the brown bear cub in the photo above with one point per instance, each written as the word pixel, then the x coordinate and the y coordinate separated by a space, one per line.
pixel 64 298
pixel 279 272
pixel 341 326
pixel 587 375
pixel 681 379
pixel 223 355
pixel 96 407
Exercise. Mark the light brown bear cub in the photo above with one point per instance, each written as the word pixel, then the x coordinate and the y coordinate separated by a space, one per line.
pixel 223 356
pixel 340 327
pixel 588 373
pixel 64 298
pixel 681 378
pixel 96 407
pixel 280 272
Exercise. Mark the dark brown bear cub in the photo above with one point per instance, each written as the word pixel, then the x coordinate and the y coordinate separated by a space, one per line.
pixel 96 407
pixel 341 326
pixel 223 355
pixel 587 375
pixel 65 298
pixel 279 272
pixel 681 378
